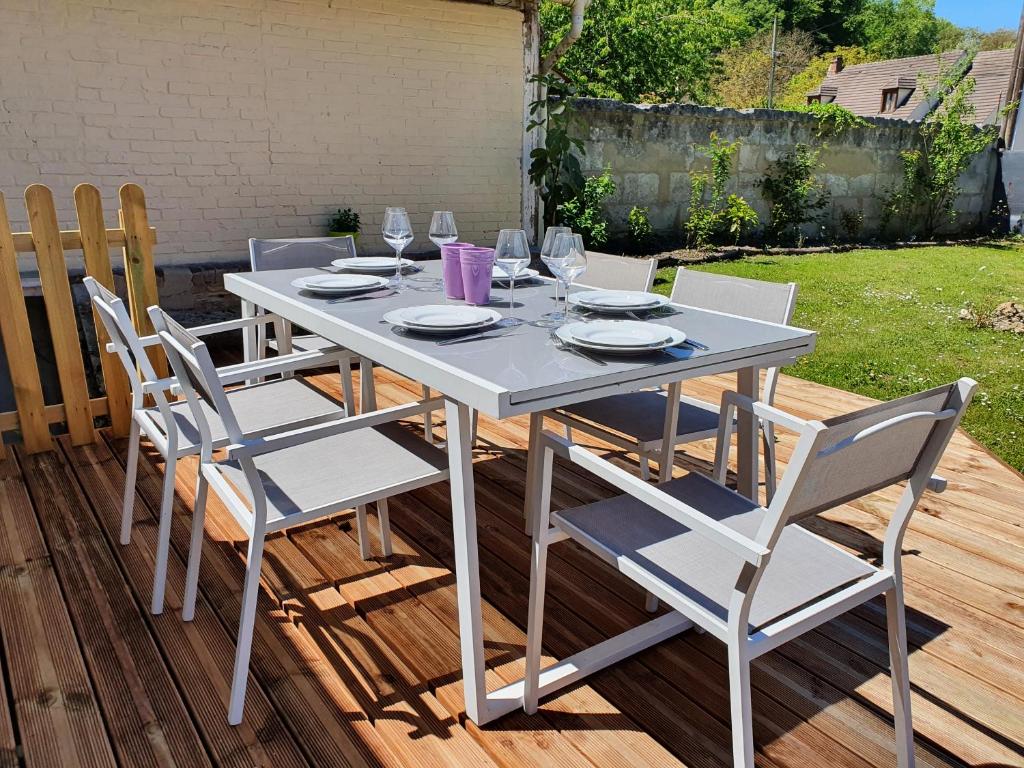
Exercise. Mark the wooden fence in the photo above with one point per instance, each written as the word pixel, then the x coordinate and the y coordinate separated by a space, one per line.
pixel 32 417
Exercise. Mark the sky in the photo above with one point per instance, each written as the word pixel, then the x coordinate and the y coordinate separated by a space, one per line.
pixel 986 15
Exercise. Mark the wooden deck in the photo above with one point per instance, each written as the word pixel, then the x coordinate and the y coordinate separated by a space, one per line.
pixel 357 663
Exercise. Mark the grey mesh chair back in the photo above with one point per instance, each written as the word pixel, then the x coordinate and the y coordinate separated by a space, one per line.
pixel 296 253
pixel 618 273
pixel 192 365
pixel 756 299
pixel 868 450
pixel 112 313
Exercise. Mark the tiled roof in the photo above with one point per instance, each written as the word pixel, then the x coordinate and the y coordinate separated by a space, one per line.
pixel 859 87
pixel 991 73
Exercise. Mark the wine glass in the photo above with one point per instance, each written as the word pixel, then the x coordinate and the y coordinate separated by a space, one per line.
pixel 443 232
pixel 397 231
pixel 570 260
pixel 512 256
pixel 545 253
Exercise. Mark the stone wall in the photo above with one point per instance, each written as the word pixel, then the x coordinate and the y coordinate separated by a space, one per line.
pixel 257 118
pixel 651 150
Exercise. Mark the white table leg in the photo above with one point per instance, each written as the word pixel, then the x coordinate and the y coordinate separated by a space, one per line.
pixel 250 351
pixel 532 450
pixel 467 566
pixel 747 383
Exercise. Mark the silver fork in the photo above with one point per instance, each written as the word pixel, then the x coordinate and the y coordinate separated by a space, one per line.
pixel 564 347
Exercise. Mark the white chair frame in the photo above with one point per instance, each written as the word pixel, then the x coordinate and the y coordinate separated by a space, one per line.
pixel 144 382
pixel 649 450
pixel 194 369
pixel 744 646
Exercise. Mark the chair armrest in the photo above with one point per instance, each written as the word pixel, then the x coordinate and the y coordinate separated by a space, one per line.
pixel 733 401
pixel 671 507
pixel 160 385
pixel 233 374
pixel 290 438
pixel 207 330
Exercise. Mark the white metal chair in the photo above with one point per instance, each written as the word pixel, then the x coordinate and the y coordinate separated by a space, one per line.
pixel 310 252
pixel 297 253
pixel 618 273
pixel 741 571
pixel 170 426
pixel 636 421
pixel 270 482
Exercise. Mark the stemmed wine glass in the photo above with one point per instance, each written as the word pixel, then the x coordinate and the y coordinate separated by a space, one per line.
pixel 569 261
pixel 512 256
pixel 545 254
pixel 443 232
pixel 397 231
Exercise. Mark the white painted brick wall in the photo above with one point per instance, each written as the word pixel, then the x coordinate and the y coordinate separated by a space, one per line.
pixel 257 118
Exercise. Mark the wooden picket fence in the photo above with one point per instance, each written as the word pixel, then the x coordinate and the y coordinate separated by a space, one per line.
pixel 77 411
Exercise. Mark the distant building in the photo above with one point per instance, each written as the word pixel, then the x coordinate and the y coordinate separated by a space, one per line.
pixel 897 88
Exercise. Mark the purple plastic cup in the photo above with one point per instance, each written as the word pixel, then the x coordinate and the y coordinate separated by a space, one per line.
pixel 477 267
pixel 451 269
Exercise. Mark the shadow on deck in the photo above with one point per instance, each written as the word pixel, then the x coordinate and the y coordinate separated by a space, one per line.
pixel 357 663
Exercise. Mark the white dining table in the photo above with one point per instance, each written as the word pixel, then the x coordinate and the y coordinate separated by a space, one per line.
pixel 514 372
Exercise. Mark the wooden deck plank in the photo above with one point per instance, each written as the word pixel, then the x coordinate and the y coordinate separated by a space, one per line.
pixel 939 733
pixel 359 660
pixel 149 724
pixel 286 703
pixel 59 719
pixel 199 653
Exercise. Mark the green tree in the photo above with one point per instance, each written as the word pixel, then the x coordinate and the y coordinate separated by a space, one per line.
pixel 926 198
pixel 891 29
pixel 746 67
pixel 644 50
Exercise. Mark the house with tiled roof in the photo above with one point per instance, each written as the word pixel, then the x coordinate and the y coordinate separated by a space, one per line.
pixel 898 88
pixel 991 73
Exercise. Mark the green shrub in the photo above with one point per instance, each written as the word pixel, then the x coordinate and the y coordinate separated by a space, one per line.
pixel 585 212
pixel 640 228
pixel 344 221
pixel 713 213
pixel 925 199
pixel 794 196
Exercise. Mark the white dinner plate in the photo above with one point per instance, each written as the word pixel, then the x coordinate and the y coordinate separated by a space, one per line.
pixel 333 285
pixel 442 318
pixel 498 276
pixel 370 264
pixel 621 336
pixel 618 301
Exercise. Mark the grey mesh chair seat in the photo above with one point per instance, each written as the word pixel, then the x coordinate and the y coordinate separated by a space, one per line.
pixel 314 478
pixel 307 343
pixel 641 415
pixel 258 409
pixel 746 574
pixel 692 569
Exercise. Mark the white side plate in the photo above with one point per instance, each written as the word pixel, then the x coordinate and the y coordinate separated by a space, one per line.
pixel 618 301
pixel 338 284
pixel 621 336
pixel 440 318
pixel 369 264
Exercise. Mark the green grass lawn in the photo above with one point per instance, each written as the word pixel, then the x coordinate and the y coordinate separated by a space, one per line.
pixel 888 326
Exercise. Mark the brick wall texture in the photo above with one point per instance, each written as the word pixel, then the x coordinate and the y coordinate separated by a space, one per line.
pixel 256 118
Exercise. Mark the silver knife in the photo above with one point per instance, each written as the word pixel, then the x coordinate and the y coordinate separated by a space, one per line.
pixel 502 325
